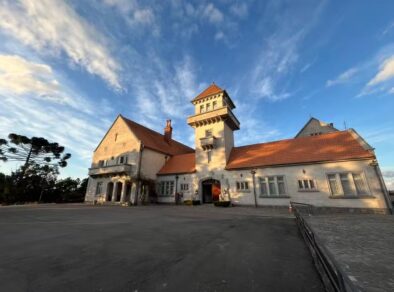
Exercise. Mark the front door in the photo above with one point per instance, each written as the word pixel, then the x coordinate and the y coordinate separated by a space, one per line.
pixel 210 191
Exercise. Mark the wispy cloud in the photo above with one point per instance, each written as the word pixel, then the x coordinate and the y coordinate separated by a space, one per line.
pixel 280 51
pixel 34 80
pixel 54 27
pixel 385 72
pixel 388 175
pixel 212 13
pixel 343 78
pixel 135 14
pixel 240 10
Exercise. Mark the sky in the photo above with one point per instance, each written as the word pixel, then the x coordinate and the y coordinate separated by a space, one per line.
pixel 68 68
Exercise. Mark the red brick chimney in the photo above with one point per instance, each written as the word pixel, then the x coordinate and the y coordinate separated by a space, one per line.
pixel 168 131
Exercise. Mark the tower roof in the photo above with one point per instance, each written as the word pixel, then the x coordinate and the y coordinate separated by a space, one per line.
pixel 211 90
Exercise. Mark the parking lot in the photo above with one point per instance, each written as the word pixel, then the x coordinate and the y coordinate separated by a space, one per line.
pixel 152 248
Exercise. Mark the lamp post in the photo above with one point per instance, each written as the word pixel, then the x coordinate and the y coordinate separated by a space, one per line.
pixel 253 172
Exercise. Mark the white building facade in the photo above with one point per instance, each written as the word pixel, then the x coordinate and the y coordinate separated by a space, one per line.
pixel 321 166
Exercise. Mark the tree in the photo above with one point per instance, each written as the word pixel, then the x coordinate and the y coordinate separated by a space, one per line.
pixel 32 151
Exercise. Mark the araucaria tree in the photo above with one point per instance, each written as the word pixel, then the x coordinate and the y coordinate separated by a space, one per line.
pixel 32 151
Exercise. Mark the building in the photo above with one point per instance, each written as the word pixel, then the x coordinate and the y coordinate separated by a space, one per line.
pixel 321 166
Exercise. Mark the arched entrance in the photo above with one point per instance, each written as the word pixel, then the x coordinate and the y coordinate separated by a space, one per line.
pixel 110 190
pixel 128 191
pixel 118 194
pixel 210 190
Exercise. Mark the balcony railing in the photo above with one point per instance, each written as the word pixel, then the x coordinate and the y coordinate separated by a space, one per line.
pixel 113 169
pixel 208 142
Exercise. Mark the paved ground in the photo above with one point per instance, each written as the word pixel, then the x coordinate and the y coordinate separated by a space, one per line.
pixel 362 245
pixel 155 248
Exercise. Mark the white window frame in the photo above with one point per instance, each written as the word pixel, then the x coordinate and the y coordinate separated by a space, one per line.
pixel 242 186
pixel 308 183
pixel 166 188
pixel 350 177
pixel 184 187
pixel 265 180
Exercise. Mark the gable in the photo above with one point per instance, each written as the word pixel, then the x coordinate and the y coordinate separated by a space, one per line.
pixel 315 127
pixel 118 139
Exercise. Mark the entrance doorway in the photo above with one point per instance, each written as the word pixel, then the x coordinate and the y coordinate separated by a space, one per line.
pixel 210 190
pixel 110 189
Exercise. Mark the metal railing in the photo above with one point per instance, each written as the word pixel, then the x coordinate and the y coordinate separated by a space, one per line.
pixel 334 278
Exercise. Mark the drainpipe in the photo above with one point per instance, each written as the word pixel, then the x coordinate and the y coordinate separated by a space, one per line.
pixel 253 172
pixel 386 196
pixel 137 188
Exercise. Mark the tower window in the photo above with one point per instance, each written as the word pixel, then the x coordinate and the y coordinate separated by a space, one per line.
pixel 209 155
pixel 208 107
pixel 214 105
pixel 116 137
pixel 202 109
pixel 208 133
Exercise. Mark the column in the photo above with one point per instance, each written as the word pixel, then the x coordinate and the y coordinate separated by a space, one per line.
pixel 134 193
pixel 123 194
pixel 114 191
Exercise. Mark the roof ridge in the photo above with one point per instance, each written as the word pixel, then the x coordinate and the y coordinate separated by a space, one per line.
pixel 153 131
pixel 290 139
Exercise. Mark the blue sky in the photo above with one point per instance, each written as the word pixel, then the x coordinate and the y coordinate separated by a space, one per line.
pixel 67 69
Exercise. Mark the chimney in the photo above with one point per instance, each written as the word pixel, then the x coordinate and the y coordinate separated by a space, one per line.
pixel 168 131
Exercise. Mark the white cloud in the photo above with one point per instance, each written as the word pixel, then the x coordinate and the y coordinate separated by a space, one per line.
pixel 343 77
pixel 34 80
pixel 385 73
pixel 239 9
pixel 212 14
pixel 134 14
pixel 391 91
pixel 54 27
pixel 388 176
pixel 279 55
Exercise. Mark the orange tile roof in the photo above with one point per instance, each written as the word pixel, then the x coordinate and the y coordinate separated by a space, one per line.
pixel 212 89
pixel 341 145
pixel 155 141
pixel 183 163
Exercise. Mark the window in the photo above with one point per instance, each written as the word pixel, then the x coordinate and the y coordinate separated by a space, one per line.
pixel 166 188
pixel 359 184
pixel 99 188
pixel 101 163
pixel 202 109
pixel 214 105
pixel 347 184
pixel 209 155
pixel 208 133
pixel 116 137
pixel 272 186
pixel 208 107
pixel 306 185
pixel 122 159
pixel 184 187
pixel 242 186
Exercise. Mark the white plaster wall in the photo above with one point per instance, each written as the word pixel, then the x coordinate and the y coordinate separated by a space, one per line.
pixel 151 163
pixel 318 172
